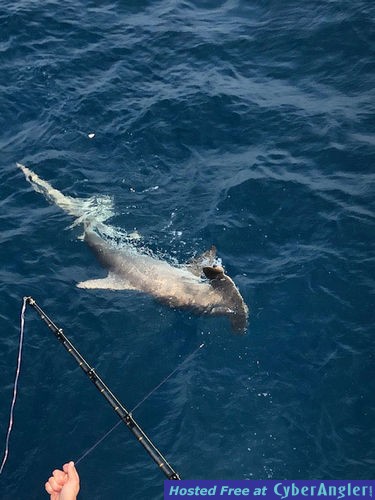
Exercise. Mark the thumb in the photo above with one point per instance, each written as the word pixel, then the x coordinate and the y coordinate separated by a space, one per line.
pixel 72 473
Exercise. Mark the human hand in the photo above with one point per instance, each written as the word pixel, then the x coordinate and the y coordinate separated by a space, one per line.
pixel 63 484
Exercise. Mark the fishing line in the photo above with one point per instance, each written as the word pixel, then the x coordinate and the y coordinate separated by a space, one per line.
pixel 15 388
pixel 97 443
pixel 167 378
pixel 92 448
pixel 126 417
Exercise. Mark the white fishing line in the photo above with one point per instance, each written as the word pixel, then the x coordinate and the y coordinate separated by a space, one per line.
pixel 15 391
pixel 15 388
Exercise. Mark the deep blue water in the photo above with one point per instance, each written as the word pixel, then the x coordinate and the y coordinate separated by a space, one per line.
pixel 249 125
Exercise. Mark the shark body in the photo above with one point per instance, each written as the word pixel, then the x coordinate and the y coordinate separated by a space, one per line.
pixel 200 285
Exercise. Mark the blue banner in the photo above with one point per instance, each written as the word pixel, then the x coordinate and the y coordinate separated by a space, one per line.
pixel 269 489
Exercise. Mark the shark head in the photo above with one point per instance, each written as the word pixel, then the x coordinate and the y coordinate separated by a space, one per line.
pixel 234 305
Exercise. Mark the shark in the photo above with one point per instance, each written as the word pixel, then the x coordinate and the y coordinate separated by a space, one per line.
pixel 200 285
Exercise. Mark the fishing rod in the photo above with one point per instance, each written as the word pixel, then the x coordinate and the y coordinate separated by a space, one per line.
pixel 119 408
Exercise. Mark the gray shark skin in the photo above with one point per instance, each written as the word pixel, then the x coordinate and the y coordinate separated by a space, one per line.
pixel 199 286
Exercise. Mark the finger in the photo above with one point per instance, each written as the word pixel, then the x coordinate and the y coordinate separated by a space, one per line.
pixel 60 476
pixel 48 488
pixel 56 487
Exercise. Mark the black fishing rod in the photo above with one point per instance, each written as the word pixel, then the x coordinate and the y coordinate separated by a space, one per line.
pixel 121 411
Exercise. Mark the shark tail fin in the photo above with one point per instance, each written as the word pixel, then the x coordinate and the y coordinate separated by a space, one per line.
pixel 98 208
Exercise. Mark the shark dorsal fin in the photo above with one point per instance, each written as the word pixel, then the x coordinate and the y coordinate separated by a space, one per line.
pixel 195 265
pixel 213 272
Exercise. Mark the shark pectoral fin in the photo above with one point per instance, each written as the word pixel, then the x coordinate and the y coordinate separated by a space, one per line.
pixel 237 318
pixel 221 310
pixel 108 283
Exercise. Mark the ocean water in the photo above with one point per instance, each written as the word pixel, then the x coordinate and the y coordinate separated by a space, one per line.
pixel 248 125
